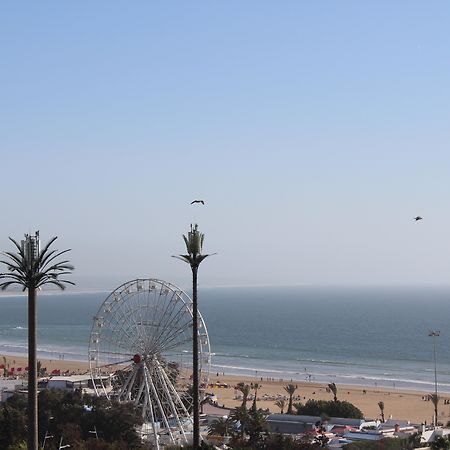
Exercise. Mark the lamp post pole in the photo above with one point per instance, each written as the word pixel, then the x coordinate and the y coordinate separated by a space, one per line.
pixel 435 334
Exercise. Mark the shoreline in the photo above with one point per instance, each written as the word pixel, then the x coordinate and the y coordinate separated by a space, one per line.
pixel 372 383
pixel 401 404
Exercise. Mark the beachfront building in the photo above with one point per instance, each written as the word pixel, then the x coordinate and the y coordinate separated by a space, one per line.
pixel 10 387
pixel 297 424
pixel 340 431
pixel 73 382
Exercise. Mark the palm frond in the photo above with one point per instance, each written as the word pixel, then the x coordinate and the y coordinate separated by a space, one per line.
pixel 49 258
pixel 184 258
pixel 45 249
pixel 43 270
pixel 19 247
pixel 18 259
pixel 186 242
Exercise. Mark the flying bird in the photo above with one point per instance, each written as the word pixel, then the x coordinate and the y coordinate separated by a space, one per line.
pixel 198 201
pixel 417 218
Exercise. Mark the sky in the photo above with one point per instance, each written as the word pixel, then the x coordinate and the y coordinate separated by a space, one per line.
pixel 314 131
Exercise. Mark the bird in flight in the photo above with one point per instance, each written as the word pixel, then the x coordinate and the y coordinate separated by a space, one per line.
pixel 418 218
pixel 198 201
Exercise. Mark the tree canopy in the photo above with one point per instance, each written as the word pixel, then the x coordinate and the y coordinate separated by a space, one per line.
pixel 76 419
pixel 331 408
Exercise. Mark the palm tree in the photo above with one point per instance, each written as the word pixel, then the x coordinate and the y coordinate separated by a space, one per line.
pixel 281 404
pixel 240 416
pixel 381 406
pixel 255 386
pixel 333 389
pixel 290 389
pixel 194 244
pixel 298 407
pixel 435 400
pixel 31 269
pixel 221 427
pixel 245 389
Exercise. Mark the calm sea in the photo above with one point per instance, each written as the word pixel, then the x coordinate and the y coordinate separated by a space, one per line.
pixel 367 336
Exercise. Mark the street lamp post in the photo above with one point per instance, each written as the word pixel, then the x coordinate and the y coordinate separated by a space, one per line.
pixel 435 334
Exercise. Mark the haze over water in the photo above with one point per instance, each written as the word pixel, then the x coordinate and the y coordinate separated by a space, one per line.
pixel 355 335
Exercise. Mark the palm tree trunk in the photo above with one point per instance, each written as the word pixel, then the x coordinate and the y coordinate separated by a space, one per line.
pixel 196 437
pixel 289 411
pixel 435 414
pixel 32 372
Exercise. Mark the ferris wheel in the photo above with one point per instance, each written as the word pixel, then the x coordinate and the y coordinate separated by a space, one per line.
pixel 140 351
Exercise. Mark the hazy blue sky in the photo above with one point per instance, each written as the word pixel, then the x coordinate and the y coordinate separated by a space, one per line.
pixel 314 130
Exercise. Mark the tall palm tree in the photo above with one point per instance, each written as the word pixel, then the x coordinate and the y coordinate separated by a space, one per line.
pixel 381 406
pixel 434 398
pixel 31 269
pixel 245 389
pixel 194 244
pixel 333 389
pixel 255 386
pixel 281 404
pixel 290 389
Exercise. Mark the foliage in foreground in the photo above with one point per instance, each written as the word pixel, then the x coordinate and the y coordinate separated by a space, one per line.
pixel 247 429
pixel 73 417
pixel 272 442
pixel 440 443
pixel 329 408
pixel 409 443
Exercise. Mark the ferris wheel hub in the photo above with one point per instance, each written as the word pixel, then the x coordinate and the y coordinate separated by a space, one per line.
pixel 137 358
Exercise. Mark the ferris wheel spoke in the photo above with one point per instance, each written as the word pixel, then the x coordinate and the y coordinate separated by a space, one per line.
pixel 182 344
pixel 172 324
pixel 174 333
pixel 127 317
pixel 148 403
pixel 166 317
pixel 118 311
pixel 158 399
pixel 117 337
pixel 124 321
pixel 177 345
pixel 127 385
pixel 119 341
pixel 137 317
pixel 173 390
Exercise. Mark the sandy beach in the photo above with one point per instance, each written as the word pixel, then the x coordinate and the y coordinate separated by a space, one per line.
pixel 402 405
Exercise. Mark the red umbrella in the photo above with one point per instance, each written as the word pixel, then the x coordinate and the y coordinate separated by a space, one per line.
pixel 2 366
pixel 56 372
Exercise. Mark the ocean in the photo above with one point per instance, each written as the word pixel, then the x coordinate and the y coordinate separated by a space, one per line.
pixel 370 336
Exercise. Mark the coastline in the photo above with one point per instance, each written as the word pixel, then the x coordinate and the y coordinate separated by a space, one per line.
pixel 401 404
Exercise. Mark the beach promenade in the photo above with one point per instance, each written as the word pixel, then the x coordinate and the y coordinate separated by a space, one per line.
pixel 406 405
